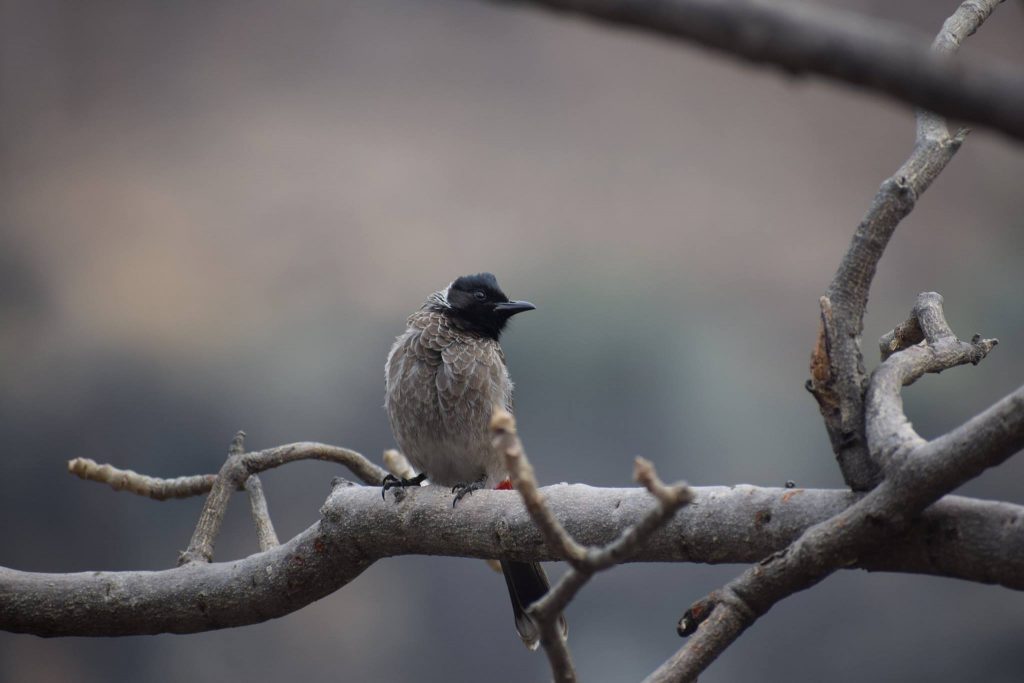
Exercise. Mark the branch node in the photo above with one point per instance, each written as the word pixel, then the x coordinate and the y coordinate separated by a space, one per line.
pixel 696 615
pixel 675 495
pixel 506 442
pixel 237 446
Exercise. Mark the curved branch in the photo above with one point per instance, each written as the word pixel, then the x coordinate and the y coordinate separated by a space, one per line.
pixel 888 429
pixel 240 466
pixel 956 537
pixel 838 378
pixel 915 478
pixel 234 475
pixel 159 488
pixel 806 39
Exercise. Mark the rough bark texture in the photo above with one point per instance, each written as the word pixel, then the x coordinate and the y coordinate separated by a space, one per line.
pixel 838 378
pixel 916 472
pixel 957 537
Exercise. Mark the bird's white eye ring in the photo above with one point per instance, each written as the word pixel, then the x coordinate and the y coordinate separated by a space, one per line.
pixel 479 295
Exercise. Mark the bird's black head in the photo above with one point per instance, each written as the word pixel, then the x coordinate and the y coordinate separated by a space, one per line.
pixel 477 304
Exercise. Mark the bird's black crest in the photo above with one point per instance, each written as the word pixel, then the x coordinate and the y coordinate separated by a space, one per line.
pixel 477 304
pixel 482 281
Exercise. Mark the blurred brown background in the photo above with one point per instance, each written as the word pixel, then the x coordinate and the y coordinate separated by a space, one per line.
pixel 216 216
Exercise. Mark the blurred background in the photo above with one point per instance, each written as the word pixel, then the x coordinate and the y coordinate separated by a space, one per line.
pixel 216 216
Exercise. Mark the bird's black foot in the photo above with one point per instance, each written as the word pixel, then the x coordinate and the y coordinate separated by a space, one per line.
pixel 463 490
pixel 392 482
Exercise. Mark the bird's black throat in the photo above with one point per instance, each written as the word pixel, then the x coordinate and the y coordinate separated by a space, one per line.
pixel 477 305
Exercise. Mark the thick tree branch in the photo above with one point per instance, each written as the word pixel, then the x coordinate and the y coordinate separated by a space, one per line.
pixel 838 378
pixel 956 537
pixel 916 476
pixel 807 39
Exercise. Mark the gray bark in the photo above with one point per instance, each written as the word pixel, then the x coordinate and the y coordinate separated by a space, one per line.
pixel 956 537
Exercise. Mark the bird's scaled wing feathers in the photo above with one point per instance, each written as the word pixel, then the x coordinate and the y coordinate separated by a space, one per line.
pixel 473 376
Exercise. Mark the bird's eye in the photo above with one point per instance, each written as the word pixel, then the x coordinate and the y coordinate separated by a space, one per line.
pixel 479 295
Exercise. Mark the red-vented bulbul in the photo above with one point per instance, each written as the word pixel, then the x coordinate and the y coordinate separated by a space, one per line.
pixel 443 376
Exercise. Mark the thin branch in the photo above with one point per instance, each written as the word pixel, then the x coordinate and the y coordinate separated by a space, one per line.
pixel 366 471
pixel 584 561
pixel 670 499
pixel 888 429
pixel 915 478
pixel 957 537
pixel 838 378
pixel 260 514
pixel 903 336
pixel 931 318
pixel 231 477
pixel 808 39
pixel 199 484
pixel 505 441
pixel 556 648
pixel 240 465
pixel 141 484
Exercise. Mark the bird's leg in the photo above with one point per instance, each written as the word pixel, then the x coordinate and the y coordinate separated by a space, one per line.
pixel 392 482
pixel 463 490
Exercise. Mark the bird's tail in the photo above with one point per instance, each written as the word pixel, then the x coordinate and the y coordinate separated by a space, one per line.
pixel 527 583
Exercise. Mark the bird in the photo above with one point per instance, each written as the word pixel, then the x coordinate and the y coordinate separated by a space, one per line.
pixel 443 377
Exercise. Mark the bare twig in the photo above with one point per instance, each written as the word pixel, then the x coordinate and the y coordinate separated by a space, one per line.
pixel 808 39
pixel 505 440
pixel 197 485
pixel 917 474
pixel 260 514
pixel 888 429
pixel 838 378
pixel 239 466
pixel 903 336
pixel 584 561
pixel 141 484
pixel 366 471
pixel 670 499
pixel 231 476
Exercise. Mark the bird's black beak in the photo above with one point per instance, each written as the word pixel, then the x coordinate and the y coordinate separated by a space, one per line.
pixel 510 308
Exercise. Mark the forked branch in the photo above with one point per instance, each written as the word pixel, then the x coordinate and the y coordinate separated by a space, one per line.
pixel 584 561
pixel 838 378
pixel 917 474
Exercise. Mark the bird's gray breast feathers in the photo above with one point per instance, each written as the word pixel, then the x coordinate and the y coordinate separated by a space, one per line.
pixel 441 384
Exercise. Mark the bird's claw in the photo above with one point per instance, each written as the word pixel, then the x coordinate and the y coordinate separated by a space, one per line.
pixel 463 490
pixel 390 481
